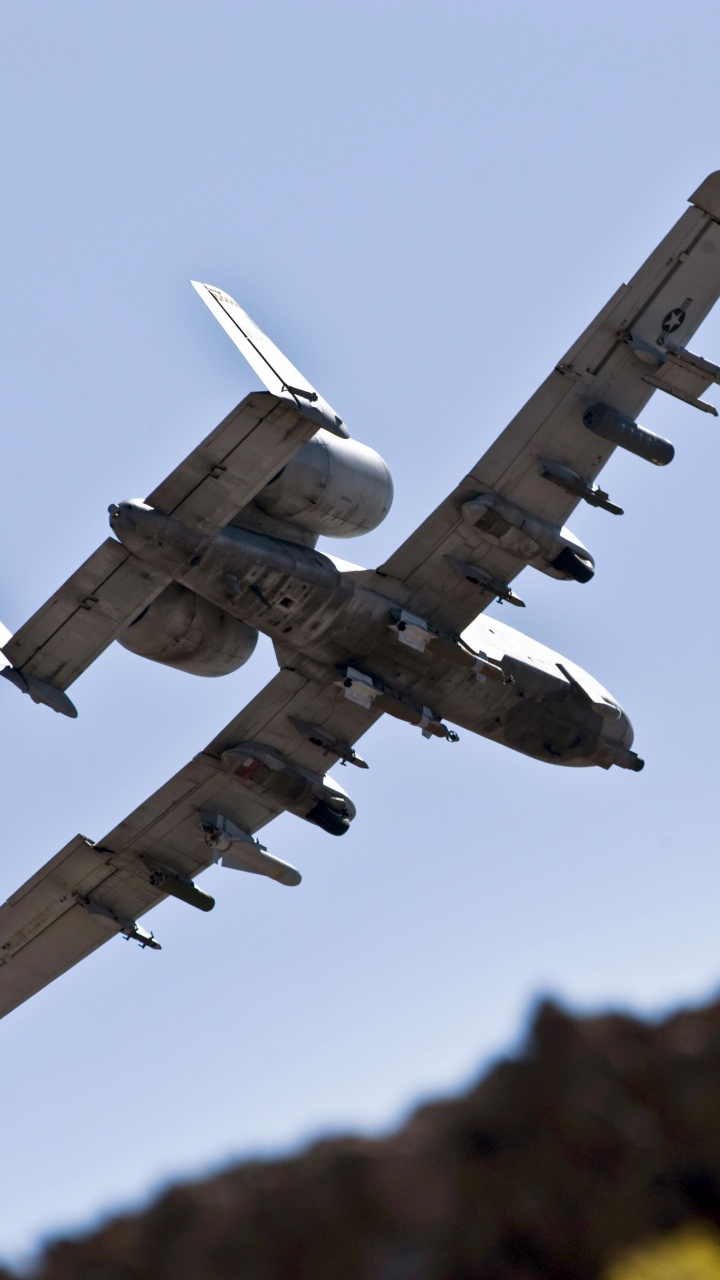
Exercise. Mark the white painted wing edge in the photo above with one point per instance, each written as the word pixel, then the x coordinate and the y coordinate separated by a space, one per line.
pixel 273 369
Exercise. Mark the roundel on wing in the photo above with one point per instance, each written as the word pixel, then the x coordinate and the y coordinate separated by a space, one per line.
pixel 673 320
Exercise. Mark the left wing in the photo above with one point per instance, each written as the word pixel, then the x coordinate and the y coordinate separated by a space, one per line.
pixel 272 757
pixel 509 511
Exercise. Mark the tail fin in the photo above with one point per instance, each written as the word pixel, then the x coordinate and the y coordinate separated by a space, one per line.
pixel 272 367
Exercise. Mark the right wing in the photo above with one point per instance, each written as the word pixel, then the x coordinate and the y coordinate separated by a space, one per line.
pixel 91 891
pixel 208 490
pixel 544 463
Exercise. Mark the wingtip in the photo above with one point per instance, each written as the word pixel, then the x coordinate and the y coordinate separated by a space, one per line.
pixel 707 195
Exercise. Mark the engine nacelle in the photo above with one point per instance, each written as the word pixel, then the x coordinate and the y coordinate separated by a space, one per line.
pixel 182 630
pixel 339 488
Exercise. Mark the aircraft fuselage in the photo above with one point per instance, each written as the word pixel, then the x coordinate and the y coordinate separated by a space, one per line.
pixel 325 623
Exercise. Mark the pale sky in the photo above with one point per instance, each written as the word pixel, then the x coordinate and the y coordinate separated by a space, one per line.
pixel 423 204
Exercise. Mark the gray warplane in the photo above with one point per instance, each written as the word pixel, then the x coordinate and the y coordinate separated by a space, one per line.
pixel 224 548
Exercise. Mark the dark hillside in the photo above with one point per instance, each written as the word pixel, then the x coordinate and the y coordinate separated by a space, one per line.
pixel 606 1130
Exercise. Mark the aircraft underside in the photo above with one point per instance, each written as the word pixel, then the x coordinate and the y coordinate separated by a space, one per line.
pixel 223 549
pixel 325 625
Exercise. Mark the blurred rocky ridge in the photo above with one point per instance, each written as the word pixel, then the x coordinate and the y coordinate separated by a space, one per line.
pixel 604 1132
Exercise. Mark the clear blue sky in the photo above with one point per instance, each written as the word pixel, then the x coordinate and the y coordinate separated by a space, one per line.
pixel 423 204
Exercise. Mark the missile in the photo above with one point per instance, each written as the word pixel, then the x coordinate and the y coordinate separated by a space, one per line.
pixel 176 885
pixel 127 927
pixel 321 737
pixel 417 634
pixel 483 578
pixel 368 692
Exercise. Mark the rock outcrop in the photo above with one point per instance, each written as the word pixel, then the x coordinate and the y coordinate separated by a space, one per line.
pixel 603 1132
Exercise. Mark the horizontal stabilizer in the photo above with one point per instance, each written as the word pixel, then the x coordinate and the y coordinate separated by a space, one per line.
pixel 97 602
pixel 40 691
pixel 79 621
pixel 223 473
pixel 272 368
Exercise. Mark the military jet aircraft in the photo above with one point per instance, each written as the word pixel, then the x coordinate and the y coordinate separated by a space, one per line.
pixel 225 548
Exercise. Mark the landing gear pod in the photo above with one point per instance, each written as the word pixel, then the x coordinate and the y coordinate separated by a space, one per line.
pixel 573 565
pixel 307 794
pixel 554 551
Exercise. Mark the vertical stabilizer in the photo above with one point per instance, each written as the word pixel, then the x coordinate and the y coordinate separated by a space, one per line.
pixel 273 369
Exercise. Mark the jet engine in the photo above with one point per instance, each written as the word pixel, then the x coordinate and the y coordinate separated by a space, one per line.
pixel 339 488
pixel 182 630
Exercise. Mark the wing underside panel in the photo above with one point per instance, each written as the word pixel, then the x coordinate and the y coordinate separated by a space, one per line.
pixel 46 926
pixel 634 346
